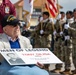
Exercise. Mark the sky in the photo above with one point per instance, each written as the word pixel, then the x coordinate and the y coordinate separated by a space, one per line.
pixel 66 4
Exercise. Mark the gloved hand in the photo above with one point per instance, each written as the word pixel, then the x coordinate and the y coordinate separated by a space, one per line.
pixel 61 33
pixel 66 26
pixel 54 33
pixel 67 37
pixel 58 17
pixel 41 31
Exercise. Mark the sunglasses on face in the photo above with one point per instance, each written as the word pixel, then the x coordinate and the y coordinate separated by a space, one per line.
pixel 15 25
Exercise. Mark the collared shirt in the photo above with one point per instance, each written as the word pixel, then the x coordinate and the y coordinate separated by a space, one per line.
pixel 14 43
pixel 9 38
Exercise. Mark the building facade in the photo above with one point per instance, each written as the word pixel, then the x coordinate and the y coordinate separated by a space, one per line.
pixel 39 7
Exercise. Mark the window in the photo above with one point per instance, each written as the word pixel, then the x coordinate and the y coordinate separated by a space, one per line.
pixel 36 13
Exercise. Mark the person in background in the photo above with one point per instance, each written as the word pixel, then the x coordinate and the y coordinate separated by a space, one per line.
pixel 72 33
pixel 59 40
pixel 11 39
pixel 6 7
pixel 67 43
pixel 43 33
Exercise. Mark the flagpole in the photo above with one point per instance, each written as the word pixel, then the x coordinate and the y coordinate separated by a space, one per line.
pixel 58 7
pixel 28 9
pixel 42 11
pixel 59 13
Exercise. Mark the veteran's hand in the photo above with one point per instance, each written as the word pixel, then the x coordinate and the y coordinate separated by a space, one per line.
pixel 40 65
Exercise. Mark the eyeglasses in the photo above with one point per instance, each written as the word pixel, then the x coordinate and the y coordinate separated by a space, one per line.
pixel 15 25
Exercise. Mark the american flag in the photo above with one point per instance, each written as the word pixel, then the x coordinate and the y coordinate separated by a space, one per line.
pixel 51 6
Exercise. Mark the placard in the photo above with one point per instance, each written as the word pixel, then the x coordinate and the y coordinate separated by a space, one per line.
pixel 29 56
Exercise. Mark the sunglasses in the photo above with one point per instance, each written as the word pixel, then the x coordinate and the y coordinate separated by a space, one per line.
pixel 15 25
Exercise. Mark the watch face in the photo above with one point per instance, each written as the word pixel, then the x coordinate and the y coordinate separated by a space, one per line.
pixel 7 9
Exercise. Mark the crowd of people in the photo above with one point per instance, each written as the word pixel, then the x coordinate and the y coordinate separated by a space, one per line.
pixel 58 36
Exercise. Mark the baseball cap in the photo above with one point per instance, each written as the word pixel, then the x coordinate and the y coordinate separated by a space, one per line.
pixel 9 20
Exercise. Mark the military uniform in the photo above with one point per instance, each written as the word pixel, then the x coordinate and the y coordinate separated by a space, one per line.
pixel 72 32
pixel 59 43
pixel 67 48
pixel 43 40
pixel 67 45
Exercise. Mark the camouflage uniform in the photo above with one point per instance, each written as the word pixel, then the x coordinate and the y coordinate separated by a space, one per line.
pixel 59 43
pixel 43 40
pixel 72 32
pixel 67 45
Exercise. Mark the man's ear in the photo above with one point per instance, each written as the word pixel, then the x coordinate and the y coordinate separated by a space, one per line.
pixel 4 29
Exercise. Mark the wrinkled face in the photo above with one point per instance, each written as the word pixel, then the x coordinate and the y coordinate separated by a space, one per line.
pixel 12 31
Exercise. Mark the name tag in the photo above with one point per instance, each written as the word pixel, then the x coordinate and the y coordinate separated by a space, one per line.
pixel 7 9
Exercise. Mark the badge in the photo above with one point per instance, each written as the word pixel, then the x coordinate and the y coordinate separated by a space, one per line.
pixel 7 9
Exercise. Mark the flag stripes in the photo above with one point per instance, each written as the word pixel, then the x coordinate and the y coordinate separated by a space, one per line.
pixel 51 7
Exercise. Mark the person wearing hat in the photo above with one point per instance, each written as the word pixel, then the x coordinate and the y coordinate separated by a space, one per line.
pixel 6 7
pixel 12 39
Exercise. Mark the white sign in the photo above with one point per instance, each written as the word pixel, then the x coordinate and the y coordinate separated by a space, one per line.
pixel 29 56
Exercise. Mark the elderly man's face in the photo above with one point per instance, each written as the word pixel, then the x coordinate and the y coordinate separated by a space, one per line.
pixel 12 31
